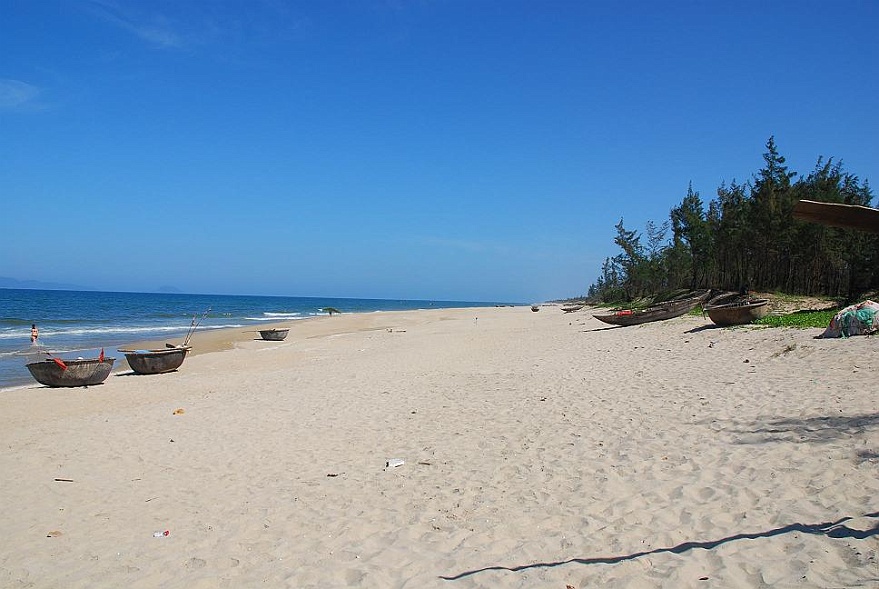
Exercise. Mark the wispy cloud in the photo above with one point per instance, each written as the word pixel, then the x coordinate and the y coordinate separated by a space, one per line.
pixel 193 26
pixel 18 95
pixel 154 28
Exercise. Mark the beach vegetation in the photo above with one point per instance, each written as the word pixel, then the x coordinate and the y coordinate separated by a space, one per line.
pixel 747 239
pixel 804 319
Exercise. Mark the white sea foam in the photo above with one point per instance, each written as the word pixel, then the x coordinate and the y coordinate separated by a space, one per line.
pixel 42 352
pixel 89 331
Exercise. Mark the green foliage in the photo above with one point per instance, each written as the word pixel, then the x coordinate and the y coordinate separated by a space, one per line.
pixel 692 238
pixel 800 319
pixel 748 238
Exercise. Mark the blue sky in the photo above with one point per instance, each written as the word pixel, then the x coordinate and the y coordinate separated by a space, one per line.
pixel 447 149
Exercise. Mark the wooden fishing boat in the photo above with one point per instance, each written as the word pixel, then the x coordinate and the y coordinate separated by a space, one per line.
pixel 81 372
pixel 657 312
pixel 572 308
pixel 739 312
pixel 156 361
pixel 274 335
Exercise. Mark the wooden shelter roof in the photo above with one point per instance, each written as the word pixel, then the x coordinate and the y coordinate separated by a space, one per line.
pixel 838 215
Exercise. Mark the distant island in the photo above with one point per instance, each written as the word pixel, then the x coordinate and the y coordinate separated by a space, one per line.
pixel 6 282
pixel 169 290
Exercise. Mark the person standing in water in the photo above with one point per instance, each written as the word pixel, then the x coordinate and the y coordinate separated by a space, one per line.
pixel 35 334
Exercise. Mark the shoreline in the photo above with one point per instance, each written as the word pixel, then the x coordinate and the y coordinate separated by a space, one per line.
pixel 538 449
pixel 80 323
pixel 206 341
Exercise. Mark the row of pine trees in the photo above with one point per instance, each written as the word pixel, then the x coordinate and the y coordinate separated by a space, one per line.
pixel 747 238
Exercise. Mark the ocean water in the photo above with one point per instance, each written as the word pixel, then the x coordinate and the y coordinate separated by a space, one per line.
pixel 80 323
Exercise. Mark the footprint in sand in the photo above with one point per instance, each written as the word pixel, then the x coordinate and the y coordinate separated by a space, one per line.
pixel 195 563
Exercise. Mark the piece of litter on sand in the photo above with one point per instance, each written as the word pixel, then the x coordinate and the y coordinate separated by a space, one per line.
pixel 161 534
pixel 394 462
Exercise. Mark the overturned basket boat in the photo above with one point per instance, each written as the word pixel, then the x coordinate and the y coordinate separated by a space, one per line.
pixel 156 361
pixel 81 372
pixel 274 335
pixel 738 313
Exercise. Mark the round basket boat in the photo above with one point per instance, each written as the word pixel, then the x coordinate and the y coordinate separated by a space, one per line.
pixel 274 335
pixel 738 313
pixel 71 373
pixel 156 361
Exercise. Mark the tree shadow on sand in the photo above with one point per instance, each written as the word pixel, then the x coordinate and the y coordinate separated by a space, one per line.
pixel 708 327
pixel 604 328
pixel 811 429
pixel 867 455
pixel 830 529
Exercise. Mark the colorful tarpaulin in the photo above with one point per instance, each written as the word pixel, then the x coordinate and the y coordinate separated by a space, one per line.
pixel 860 319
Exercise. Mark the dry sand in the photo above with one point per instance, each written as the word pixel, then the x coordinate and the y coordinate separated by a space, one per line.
pixel 539 450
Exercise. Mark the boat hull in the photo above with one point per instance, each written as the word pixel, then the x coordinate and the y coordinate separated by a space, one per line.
pixel 79 373
pixel 274 335
pixel 661 312
pixel 156 361
pixel 738 313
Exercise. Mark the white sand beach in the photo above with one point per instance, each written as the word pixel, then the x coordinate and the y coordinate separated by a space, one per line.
pixel 539 450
